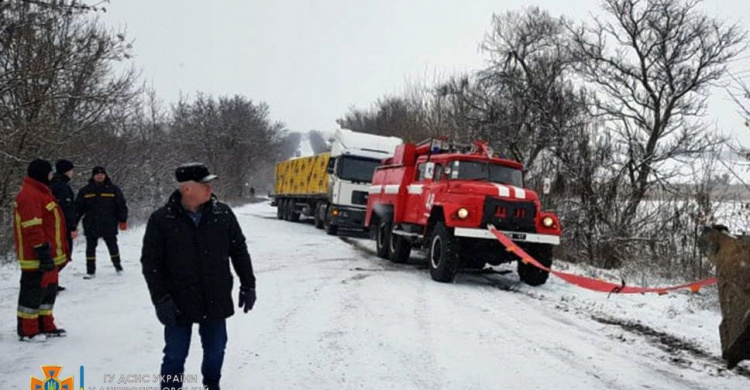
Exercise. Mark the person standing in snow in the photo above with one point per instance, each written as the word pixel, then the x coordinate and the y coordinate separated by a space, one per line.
pixel 102 207
pixel 185 259
pixel 66 199
pixel 39 235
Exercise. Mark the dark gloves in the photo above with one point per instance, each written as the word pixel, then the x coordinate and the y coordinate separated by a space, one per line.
pixel 167 311
pixel 247 298
pixel 44 256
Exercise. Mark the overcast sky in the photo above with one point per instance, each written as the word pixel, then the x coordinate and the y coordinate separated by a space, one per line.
pixel 312 60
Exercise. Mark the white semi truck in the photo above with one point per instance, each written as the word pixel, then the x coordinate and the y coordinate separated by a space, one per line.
pixel 332 187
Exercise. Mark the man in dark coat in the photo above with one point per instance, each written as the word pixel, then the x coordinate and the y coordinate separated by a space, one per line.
pixel 185 259
pixel 66 199
pixel 102 207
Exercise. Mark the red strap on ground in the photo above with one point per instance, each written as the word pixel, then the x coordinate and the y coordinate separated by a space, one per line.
pixel 591 283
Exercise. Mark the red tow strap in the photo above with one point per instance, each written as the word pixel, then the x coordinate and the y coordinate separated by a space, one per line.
pixel 591 283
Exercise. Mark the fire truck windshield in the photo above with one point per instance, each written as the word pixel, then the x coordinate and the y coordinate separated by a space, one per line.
pixel 356 169
pixel 482 171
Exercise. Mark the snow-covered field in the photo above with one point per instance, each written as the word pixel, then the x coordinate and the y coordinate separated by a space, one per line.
pixel 331 315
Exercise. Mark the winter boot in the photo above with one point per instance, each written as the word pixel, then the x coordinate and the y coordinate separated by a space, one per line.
pixel 118 265
pixel 60 288
pixel 37 338
pixel 89 276
pixel 59 332
pixel 91 265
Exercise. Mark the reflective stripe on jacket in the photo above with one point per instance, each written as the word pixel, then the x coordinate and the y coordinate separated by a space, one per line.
pixel 102 206
pixel 38 219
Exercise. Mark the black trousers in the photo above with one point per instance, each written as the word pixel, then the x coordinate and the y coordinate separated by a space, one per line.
pixel 35 302
pixel 114 252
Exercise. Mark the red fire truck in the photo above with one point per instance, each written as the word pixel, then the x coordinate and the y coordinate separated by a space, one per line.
pixel 443 197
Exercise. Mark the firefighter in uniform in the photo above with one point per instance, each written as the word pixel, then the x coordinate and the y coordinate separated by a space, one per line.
pixel 102 206
pixel 41 247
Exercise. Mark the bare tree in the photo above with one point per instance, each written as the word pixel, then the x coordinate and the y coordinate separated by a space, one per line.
pixel 653 83
pixel 532 99
pixel 57 83
pixel 390 116
pixel 235 136
pixel 740 93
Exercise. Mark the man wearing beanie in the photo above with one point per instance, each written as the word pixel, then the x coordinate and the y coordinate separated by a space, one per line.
pixel 39 233
pixel 102 207
pixel 66 199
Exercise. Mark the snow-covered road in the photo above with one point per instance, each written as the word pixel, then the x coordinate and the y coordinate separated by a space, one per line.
pixel 331 315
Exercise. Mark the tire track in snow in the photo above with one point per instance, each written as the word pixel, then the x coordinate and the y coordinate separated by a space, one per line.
pixel 563 356
pixel 465 303
pixel 545 345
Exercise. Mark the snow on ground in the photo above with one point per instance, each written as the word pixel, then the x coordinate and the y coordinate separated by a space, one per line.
pixel 331 315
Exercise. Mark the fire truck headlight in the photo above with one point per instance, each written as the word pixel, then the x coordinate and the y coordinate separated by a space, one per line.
pixel 548 221
pixel 463 213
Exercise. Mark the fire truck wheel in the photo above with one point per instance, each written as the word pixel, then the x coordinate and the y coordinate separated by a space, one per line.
pixel 383 238
pixel 443 254
pixel 399 248
pixel 531 275
pixel 319 214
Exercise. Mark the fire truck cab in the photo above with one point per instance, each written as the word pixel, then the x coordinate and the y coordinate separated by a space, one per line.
pixel 442 197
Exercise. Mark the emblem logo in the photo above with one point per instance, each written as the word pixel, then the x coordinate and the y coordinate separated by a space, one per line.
pixel 51 380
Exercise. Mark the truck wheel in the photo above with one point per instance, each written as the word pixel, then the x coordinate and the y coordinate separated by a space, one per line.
pixel 288 210
pixel 399 248
pixel 280 209
pixel 319 214
pixel 531 275
pixel 284 209
pixel 331 229
pixel 443 254
pixel 383 238
pixel 293 213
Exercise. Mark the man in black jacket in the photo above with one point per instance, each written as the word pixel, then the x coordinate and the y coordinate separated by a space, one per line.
pixel 185 259
pixel 66 199
pixel 102 207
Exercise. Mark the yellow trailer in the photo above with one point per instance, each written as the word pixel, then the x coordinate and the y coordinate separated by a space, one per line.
pixel 303 176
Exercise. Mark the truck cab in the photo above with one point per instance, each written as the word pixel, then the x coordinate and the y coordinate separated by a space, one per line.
pixel 443 197
pixel 354 158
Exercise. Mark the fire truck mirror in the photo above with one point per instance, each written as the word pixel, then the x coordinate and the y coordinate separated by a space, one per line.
pixel 429 170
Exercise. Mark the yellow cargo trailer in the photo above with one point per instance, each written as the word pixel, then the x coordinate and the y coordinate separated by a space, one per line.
pixel 303 176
